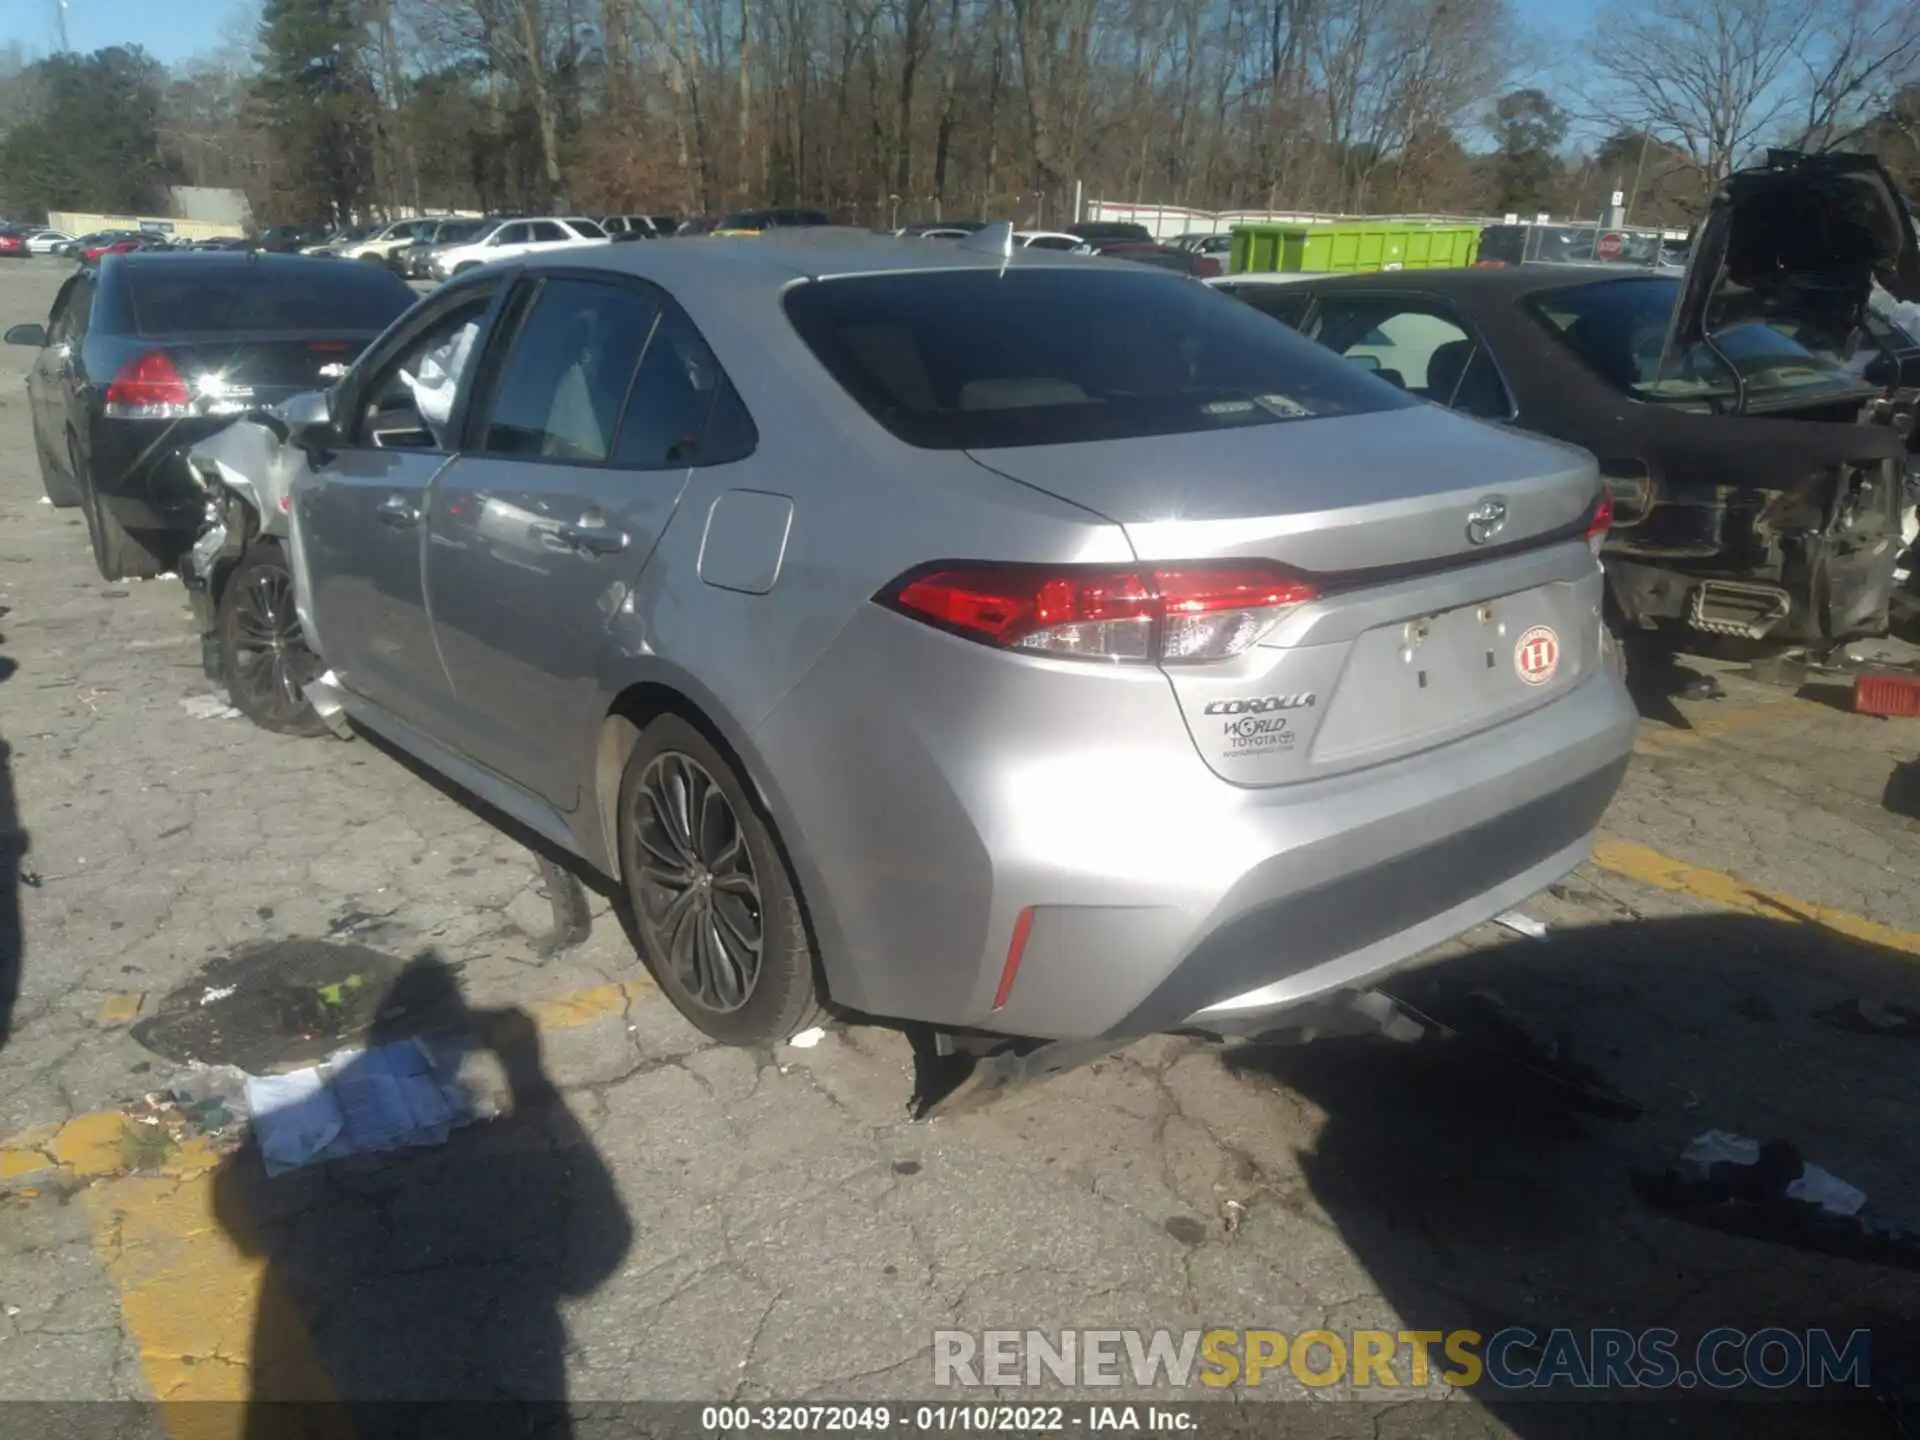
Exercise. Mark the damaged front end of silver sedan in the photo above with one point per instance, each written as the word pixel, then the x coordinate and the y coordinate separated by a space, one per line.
pixel 240 577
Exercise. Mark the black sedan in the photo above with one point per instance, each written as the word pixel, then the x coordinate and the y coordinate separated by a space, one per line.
pixel 149 352
pixel 1752 429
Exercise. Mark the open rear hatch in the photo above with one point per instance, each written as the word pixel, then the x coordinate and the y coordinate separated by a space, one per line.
pixel 1445 576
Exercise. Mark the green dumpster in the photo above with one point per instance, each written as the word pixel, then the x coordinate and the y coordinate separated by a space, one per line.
pixel 1351 247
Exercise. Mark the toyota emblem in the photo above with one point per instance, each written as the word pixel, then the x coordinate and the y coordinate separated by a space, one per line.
pixel 1486 520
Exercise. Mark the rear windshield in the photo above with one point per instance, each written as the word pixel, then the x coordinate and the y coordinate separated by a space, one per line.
pixel 979 359
pixel 310 297
pixel 1619 328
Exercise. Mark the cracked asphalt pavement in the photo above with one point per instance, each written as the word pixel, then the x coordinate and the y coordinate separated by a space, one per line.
pixel 659 1217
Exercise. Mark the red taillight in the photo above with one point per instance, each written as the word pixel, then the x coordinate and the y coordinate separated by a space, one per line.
pixel 1174 614
pixel 1600 520
pixel 148 387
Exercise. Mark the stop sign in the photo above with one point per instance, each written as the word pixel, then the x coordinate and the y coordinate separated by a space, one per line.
pixel 1609 247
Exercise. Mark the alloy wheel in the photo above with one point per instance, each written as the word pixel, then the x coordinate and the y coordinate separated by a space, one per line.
pixel 697 895
pixel 272 663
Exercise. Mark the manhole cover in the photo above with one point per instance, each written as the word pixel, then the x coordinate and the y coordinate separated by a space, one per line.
pixel 282 1002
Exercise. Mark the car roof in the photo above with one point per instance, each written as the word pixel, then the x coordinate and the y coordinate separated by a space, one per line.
pixel 1491 280
pixel 774 260
pixel 254 261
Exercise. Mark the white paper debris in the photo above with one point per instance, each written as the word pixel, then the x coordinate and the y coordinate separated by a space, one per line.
pixel 1721 1145
pixel 807 1039
pixel 1832 1194
pixel 388 1098
pixel 208 707
pixel 218 992
pixel 1813 1187
pixel 1522 925
pixel 45 501
pixel 293 1116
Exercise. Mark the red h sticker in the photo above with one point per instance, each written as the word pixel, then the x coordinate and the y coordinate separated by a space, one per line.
pixel 1537 655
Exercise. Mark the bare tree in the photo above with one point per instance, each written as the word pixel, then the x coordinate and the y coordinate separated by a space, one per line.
pixel 1712 77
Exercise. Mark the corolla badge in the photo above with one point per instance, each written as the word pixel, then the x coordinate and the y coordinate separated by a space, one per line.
pixel 1486 520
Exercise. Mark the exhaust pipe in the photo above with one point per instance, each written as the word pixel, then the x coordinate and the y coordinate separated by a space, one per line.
pixel 1726 607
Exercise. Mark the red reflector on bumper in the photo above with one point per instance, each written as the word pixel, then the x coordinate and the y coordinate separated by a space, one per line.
pixel 1022 927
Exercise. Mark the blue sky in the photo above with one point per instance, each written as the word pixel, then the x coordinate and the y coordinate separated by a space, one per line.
pixel 171 30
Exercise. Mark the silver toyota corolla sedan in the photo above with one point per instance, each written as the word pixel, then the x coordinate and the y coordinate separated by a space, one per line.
pixel 1010 641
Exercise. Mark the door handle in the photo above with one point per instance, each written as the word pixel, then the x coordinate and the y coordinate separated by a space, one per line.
pixel 395 510
pixel 593 539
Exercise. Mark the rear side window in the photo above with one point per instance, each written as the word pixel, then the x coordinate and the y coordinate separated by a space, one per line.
pixel 978 359
pixel 683 410
pixel 546 232
pixel 237 296
pixel 559 393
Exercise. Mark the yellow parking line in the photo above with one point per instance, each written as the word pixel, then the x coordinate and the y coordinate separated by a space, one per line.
pixel 1650 867
pixel 195 1303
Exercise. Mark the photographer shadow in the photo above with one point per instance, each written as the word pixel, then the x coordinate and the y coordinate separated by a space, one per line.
pixel 420 1292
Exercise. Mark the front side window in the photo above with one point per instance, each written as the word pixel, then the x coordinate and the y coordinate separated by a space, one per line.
pixel 559 393
pixel 978 358
pixel 511 235
pixel 408 402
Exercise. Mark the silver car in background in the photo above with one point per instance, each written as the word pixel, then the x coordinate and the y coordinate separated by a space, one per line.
pixel 966 634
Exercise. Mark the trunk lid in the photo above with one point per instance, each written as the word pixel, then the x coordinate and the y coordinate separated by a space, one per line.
pixel 1456 587
pixel 1801 237
pixel 229 374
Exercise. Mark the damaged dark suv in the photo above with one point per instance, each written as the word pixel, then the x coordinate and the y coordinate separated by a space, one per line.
pixel 1753 419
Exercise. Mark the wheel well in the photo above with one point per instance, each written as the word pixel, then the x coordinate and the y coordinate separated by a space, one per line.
pixel 629 714
pixel 632 710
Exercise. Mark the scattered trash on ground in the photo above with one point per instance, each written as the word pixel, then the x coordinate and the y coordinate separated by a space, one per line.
pixel 45 501
pixel 1232 1212
pixel 1783 1172
pixel 218 992
pixel 208 707
pixel 1766 1191
pixel 807 1039
pixel 392 1097
pixel 205 1100
pixel 1522 925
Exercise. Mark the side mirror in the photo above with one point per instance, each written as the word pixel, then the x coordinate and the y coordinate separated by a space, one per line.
pixel 34 335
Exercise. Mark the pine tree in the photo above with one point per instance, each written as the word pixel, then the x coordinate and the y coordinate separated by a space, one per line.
pixel 320 98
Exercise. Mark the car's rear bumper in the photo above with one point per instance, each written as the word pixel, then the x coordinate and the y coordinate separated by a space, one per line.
pixel 933 821
pixel 138 471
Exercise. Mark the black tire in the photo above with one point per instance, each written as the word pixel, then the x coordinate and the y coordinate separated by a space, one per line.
pixel 118 553
pixel 263 652
pixel 713 862
pixel 63 491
